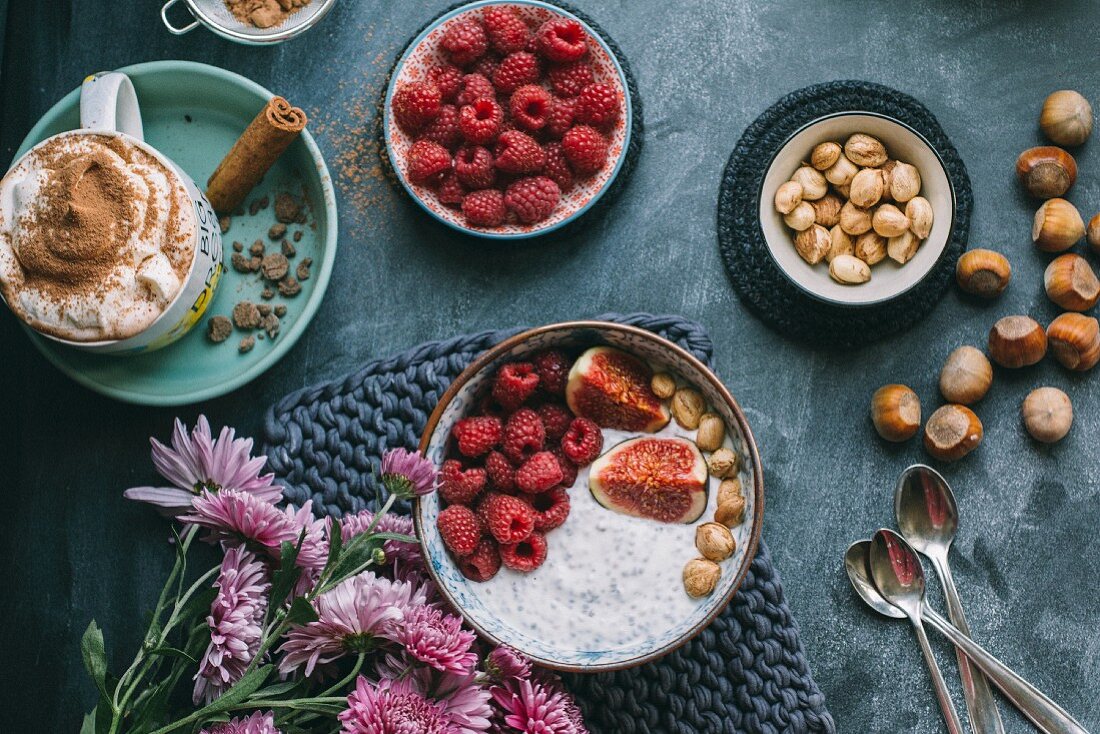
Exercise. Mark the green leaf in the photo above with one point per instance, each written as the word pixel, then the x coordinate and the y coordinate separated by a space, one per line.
pixel 172 652
pixel 278 689
pixel 198 606
pixel 95 656
pixel 301 612
pixel 241 690
pixel 88 725
pixel 284 579
pixel 357 553
pixel 335 545
pixel 398 537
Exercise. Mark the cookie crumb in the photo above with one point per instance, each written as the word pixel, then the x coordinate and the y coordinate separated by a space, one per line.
pixel 265 309
pixel 289 249
pixel 267 294
pixel 287 208
pixel 218 329
pixel 246 315
pixel 298 236
pixel 246 344
pixel 254 208
pixel 280 310
pixel 241 263
pixel 275 266
pixel 254 263
pixel 257 248
pixel 264 202
pixel 289 287
pixel 302 271
pixel 238 247
pixel 270 324
pixel 224 223
pixel 277 231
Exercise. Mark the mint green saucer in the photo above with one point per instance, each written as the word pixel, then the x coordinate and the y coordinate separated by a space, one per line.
pixel 193 113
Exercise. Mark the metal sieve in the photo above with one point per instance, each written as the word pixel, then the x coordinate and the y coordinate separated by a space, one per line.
pixel 216 16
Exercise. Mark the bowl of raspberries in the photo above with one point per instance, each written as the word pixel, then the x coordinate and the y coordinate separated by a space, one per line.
pixel 507 119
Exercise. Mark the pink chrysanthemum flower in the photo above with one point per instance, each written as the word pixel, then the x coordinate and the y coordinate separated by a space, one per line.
pixel 233 518
pixel 393 707
pixel 235 621
pixel 351 619
pixel 407 473
pixel 437 639
pixel 409 553
pixel 505 663
pixel 465 701
pixel 313 552
pixel 196 462
pixel 533 708
pixel 257 723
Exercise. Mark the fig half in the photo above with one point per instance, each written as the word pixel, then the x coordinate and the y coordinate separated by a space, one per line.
pixel 663 479
pixel 611 387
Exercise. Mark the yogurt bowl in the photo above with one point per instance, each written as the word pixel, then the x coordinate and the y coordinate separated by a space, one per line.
pixel 610 594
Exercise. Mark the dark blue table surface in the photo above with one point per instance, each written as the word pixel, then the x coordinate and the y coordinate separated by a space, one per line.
pixel 1027 556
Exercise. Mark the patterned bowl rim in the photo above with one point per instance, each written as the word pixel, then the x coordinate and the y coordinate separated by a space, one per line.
pixel 537 231
pixel 491 355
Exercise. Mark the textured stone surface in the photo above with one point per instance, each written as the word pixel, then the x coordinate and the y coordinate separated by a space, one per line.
pixel 1027 554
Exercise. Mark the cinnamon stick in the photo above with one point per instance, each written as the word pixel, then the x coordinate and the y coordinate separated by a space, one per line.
pixel 261 144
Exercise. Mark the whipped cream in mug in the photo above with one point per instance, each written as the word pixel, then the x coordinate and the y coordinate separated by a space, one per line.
pixel 97 237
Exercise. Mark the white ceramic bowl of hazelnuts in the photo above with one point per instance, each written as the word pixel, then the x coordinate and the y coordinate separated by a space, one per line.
pixel 856 208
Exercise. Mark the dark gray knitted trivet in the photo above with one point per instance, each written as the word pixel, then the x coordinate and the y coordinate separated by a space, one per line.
pixel 633 148
pixel 745 674
pixel 755 276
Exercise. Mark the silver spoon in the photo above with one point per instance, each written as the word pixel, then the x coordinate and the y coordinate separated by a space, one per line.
pixel 928 518
pixel 1047 716
pixel 897 573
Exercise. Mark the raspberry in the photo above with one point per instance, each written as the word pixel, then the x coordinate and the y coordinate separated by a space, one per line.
pixel 585 149
pixel 562 114
pixel 557 169
pixel 598 105
pixel 465 40
pixel 530 107
pixel 416 104
pixel 502 475
pixel 509 518
pixel 448 78
pixel 484 208
pixel 567 80
pixel 486 66
pixel 524 435
pixel 480 122
pixel 518 152
pixel 507 31
pixel 475 87
pixel 460 486
pixel 444 128
pixel 583 441
pixel 483 563
pixel 427 162
pixel 532 199
pixel 450 191
pixel 515 383
pixel 551 508
pixel 540 473
pixel 561 40
pixel 526 555
pixel 555 419
pixel 460 529
pixel 517 69
pixel 568 468
pixel 553 367
pixel 474 166
pixel 477 435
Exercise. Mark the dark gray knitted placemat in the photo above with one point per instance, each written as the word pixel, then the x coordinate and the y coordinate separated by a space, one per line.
pixel 745 674
pixel 760 283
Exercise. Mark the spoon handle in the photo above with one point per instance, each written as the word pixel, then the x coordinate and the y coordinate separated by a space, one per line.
pixel 950 715
pixel 1047 716
pixel 984 716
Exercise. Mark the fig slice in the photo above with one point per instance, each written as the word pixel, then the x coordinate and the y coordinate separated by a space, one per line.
pixel 611 387
pixel 663 479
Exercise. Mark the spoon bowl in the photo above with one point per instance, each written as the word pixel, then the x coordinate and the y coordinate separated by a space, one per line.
pixel 927 513
pixel 896 572
pixel 859 573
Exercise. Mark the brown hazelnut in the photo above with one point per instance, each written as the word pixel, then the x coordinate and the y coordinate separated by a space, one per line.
pixel 841 243
pixel 715 541
pixel 688 407
pixel 866 188
pixel 1093 233
pixel 701 576
pixel 814 185
pixel 864 150
pixel 1048 414
pixel 724 463
pixel 870 247
pixel 895 411
pixel 921 216
pixel 1046 171
pixel 729 490
pixel 827 210
pixel 813 244
pixel 889 221
pixel 663 385
pixel 731 512
pixel 966 376
pixel 711 433
pixel 1066 118
pixel 801 217
pixel 1058 226
pixel 1070 283
pixel 825 155
pixel 853 220
pixel 1017 341
pixel 983 273
pixel 904 182
pixel 1075 341
pixel 841 173
pixel 902 248
pixel 788 196
pixel 952 432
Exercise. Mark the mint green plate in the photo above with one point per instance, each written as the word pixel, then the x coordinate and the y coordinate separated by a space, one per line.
pixel 193 113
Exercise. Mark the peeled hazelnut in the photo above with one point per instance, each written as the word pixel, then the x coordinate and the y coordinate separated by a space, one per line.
pixel 788 196
pixel 715 541
pixel 724 463
pixel 904 182
pixel 919 211
pixel 1066 118
pixel 887 169
pixel 731 512
pixel 895 411
pixel 801 217
pixel 663 385
pixel 888 221
pixel 842 172
pixel 854 220
pixel 849 270
pixel 864 150
pixel 1094 234
pixel 1075 341
pixel 688 407
pixel 1058 226
pixel 813 182
pixel 1048 414
pixel 983 273
pixel 1046 171
pixel 701 576
pixel 1017 341
pixel 902 248
pixel 813 243
pixel 712 432
pixel 966 376
pixel 1070 283
pixel 843 190
pixel 866 188
pixel 841 243
pixel 952 432
pixel 827 210
pixel 729 490
pixel 825 155
pixel 871 248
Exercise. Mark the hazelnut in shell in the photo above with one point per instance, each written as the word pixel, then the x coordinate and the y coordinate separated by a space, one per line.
pixel 1066 118
pixel 700 577
pixel 801 217
pixel 849 270
pixel 983 273
pixel 813 183
pixel 1075 341
pixel 825 155
pixel 1093 233
pixel 1057 226
pixel 864 150
pixel 715 541
pixel 1070 283
pixel 853 220
pixel 871 248
pixel 1047 414
pixel 895 412
pixel 866 188
pixel 1017 341
pixel 788 196
pixel 952 432
pixel 813 244
pixel 889 221
pixel 966 376
pixel 920 214
pixel 1046 171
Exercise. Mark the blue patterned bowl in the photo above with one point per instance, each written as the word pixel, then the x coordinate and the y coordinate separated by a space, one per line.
pixel 479 603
